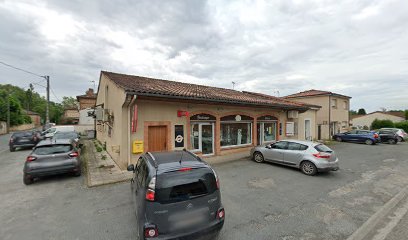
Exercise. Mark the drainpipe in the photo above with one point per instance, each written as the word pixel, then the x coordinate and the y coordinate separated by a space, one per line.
pixel 129 126
pixel 330 126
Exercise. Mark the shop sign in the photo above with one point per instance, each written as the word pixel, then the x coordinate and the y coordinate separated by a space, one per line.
pixel 267 118
pixel 179 136
pixel 202 117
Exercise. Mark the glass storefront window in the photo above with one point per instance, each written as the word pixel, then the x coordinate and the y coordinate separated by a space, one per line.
pixel 195 136
pixel 269 132
pixel 233 134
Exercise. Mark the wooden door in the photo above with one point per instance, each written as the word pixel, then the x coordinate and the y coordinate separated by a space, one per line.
pixel 157 138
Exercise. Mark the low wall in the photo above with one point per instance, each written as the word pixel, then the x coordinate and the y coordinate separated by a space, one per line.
pixel 82 128
pixel 22 127
pixel 3 127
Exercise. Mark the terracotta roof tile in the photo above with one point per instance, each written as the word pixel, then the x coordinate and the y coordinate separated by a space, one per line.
pixel 313 92
pixel 165 88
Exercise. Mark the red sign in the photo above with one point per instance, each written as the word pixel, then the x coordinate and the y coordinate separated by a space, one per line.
pixel 182 113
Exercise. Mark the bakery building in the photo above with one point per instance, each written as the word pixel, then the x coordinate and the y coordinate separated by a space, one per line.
pixel 137 114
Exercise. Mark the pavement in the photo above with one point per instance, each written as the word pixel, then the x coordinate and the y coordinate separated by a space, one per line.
pixel 262 201
pixel 101 169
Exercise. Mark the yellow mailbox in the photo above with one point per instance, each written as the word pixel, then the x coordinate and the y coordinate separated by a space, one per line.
pixel 137 147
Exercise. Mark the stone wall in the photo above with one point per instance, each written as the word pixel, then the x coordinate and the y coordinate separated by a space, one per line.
pixel 22 127
pixel 3 127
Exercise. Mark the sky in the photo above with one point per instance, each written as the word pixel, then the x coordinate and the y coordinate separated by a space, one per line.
pixel 351 47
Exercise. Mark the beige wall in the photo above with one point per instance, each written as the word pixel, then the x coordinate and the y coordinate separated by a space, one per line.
pixel 366 120
pixel 86 103
pixel 71 113
pixel 114 103
pixel 3 127
pixel 340 115
pixel 22 127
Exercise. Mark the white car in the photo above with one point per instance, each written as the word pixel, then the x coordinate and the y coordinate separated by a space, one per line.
pixel 51 131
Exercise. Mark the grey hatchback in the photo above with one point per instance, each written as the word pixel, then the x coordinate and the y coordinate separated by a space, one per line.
pixel 310 157
pixel 176 195
pixel 52 157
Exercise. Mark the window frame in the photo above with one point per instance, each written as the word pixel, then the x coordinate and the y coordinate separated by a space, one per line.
pixel 237 145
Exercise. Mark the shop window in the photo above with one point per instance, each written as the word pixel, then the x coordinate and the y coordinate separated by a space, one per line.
pixel 235 134
pixel 195 136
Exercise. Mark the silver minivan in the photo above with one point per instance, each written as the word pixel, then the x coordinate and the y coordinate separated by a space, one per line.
pixel 309 157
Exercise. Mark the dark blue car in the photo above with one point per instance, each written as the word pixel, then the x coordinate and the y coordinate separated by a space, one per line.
pixel 360 136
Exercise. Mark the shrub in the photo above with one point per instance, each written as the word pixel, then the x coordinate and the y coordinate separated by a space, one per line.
pixel 402 125
pixel 98 149
pixel 377 124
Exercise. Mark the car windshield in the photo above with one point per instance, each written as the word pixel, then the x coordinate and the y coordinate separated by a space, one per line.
pixel 67 135
pixel 184 185
pixel 323 148
pixel 52 149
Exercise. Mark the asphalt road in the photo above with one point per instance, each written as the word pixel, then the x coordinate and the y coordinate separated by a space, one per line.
pixel 262 201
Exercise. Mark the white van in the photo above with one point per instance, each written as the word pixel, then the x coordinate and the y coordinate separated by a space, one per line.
pixel 51 131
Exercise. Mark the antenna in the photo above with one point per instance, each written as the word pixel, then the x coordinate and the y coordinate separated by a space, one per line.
pixel 93 81
pixel 233 85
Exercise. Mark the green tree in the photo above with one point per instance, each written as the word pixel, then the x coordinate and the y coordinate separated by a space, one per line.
pixel 353 112
pixel 402 125
pixel 361 111
pixel 69 102
pixel 377 124
pixel 406 114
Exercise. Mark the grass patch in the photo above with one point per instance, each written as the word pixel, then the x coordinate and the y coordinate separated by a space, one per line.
pixel 103 157
pixel 98 149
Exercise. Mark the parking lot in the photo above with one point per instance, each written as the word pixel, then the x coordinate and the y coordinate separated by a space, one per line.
pixel 262 201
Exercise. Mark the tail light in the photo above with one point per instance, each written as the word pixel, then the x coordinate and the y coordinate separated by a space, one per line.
pixel 322 155
pixel 151 232
pixel 11 140
pixel 74 154
pixel 216 179
pixel 31 158
pixel 185 169
pixel 150 190
pixel 221 213
pixel 375 135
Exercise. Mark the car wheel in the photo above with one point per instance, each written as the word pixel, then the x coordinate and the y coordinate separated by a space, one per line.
pixel 399 139
pixel 369 142
pixel 258 157
pixel 392 141
pixel 338 139
pixel 12 149
pixel 27 180
pixel 77 173
pixel 308 168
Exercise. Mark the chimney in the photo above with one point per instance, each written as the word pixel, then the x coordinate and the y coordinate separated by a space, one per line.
pixel 90 92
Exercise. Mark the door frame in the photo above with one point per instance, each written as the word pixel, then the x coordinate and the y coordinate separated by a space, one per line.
pixel 310 129
pixel 260 138
pixel 148 124
pixel 200 137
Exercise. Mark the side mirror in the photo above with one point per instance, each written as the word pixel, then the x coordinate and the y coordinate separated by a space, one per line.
pixel 131 168
pixel 269 146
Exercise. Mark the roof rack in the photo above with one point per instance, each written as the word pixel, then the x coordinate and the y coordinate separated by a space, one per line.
pixel 154 159
pixel 192 154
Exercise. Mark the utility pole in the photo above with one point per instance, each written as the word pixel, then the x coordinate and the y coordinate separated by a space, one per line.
pixel 47 111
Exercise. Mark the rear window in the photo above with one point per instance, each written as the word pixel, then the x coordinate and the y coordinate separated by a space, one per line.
pixel 65 136
pixel 323 148
pixel 180 186
pixel 53 149
pixel 23 134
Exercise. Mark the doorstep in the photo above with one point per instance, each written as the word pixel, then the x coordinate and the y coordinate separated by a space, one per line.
pixel 102 170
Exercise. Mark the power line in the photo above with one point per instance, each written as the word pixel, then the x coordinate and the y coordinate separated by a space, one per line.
pixel 55 95
pixel 20 69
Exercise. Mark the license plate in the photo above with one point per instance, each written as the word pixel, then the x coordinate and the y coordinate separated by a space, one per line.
pixel 191 221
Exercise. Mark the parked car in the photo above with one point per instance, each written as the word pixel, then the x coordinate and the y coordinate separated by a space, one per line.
pixel 51 131
pixel 74 136
pixel 52 157
pixel 388 136
pixel 402 135
pixel 24 139
pixel 309 157
pixel 176 195
pixel 359 136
